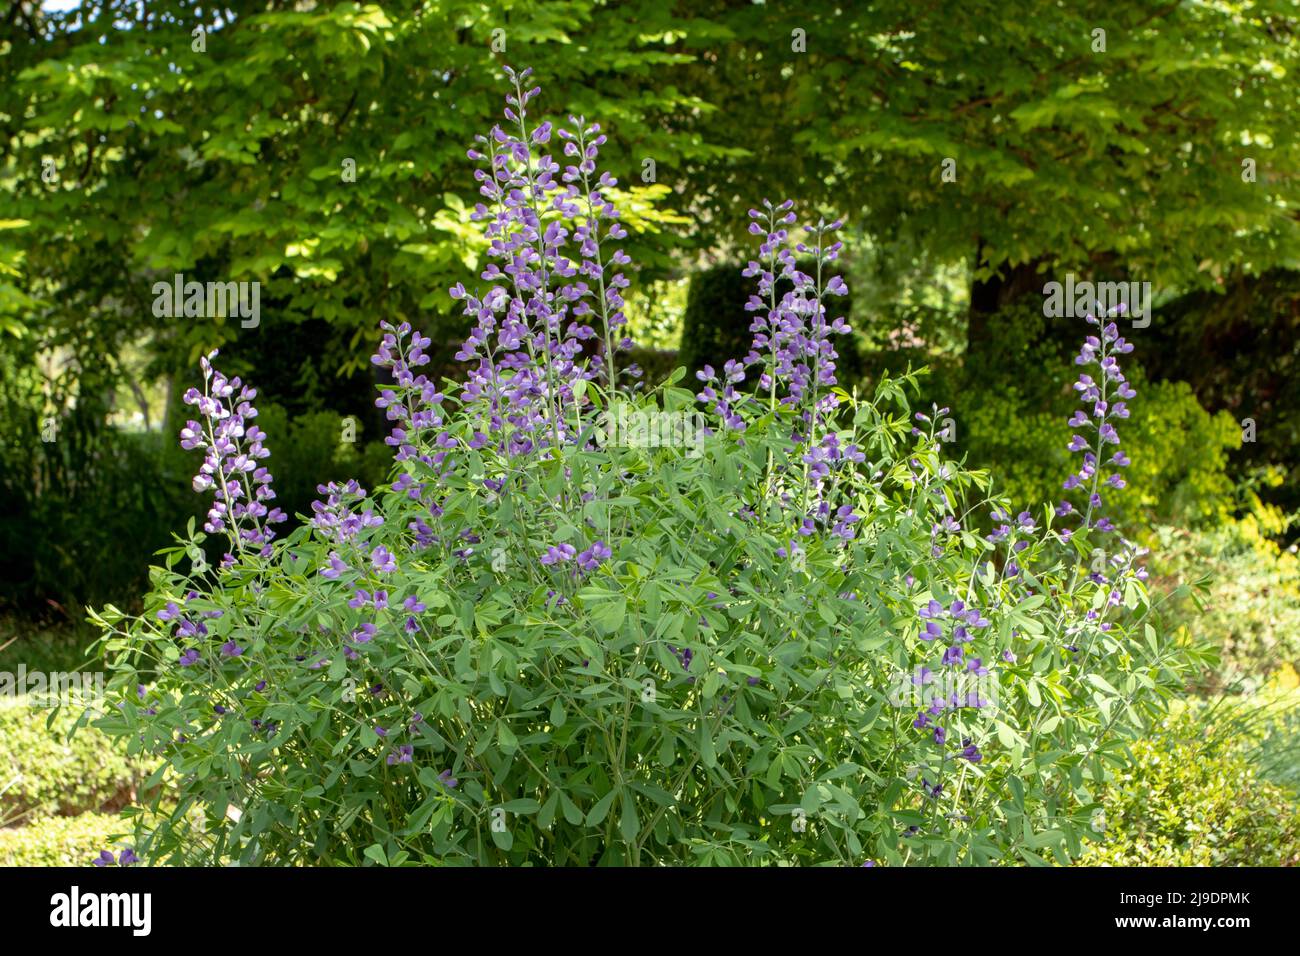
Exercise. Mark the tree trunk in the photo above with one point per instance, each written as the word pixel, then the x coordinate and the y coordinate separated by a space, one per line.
pixel 989 295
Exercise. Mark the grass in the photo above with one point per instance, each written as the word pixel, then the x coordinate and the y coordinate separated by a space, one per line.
pixel 61 841
pixel 49 645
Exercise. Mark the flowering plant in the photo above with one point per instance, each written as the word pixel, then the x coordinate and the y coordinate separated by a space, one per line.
pixel 760 627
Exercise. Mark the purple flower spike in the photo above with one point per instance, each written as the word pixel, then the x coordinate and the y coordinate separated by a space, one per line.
pixel 231 468
pixel 1103 412
pixel 551 288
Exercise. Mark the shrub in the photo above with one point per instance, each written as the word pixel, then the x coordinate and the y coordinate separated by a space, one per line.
pixel 48 770
pixel 61 841
pixel 578 627
pixel 1193 798
pixel 1179 452
pixel 1237 345
pixel 1248 602
pixel 1009 417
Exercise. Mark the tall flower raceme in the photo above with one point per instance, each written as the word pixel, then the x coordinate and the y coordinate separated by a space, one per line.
pixel 1106 402
pixel 795 358
pixel 241 487
pixel 1105 399
pixel 527 647
pixel 792 346
pixel 554 293
pixel 417 410
pixel 551 276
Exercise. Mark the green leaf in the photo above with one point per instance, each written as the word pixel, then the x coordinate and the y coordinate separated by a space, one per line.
pixel 571 812
pixel 504 839
pixel 708 755
pixel 546 815
pixel 628 824
pixel 525 805
pixel 506 737
pixel 1096 680
pixel 597 814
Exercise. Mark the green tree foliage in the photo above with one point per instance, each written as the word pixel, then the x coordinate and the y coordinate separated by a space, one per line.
pixel 318 149
pixel 1240 351
pixel 1064 153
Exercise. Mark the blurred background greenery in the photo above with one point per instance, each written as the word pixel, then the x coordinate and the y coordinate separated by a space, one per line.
pixel 1143 141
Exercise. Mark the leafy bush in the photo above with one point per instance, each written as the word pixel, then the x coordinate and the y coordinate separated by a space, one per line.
pixel 48 770
pixel 1011 416
pixel 1237 346
pixel 1193 798
pixel 1248 603
pixel 60 841
pixel 1178 451
pixel 582 624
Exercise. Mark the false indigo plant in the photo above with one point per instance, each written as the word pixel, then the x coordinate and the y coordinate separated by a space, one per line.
pixel 786 642
pixel 230 470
